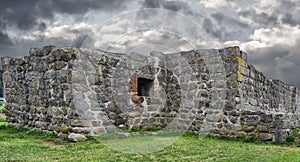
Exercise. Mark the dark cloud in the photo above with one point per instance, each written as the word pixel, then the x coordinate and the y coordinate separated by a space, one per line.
pixel 260 18
pixel 151 4
pixel 176 6
pixel 153 39
pixel 209 27
pixel 228 20
pixel 21 47
pixel 224 29
pixel 4 40
pixel 42 26
pixel 278 62
pixel 286 13
pixel 288 19
pixel 24 14
pixel 268 54
pixel 288 5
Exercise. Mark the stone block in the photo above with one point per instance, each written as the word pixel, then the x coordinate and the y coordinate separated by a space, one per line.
pixel 253 102
pixel 279 117
pixel 266 118
pixel 265 136
pixel 234 113
pixel 280 136
pixel 224 132
pixel 261 128
pixel 80 123
pixel 283 124
pixel 73 137
pixel 99 130
pixel 241 134
pixel 234 120
pixel 242 63
pixel 253 120
pixel 6 61
pixel 35 52
pixel 83 130
pixel 253 134
pixel 248 128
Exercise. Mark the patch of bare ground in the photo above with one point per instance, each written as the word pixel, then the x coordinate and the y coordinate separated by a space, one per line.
pixel 51 144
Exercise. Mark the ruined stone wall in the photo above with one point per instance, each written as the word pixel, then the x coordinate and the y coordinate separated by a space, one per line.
pixel 92 92
pixel 37 89
pixel 266 109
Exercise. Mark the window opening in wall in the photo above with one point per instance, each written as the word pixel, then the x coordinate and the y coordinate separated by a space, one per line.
pixel 144 86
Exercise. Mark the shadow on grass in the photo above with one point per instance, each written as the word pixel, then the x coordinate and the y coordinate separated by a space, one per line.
pixel 140 142
pixel 22 133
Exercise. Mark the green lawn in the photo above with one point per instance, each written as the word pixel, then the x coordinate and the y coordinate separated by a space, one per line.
pixel 24 145
pixel 3 122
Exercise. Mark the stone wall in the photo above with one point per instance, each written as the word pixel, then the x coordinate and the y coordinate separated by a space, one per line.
pixel 37 89
pixel 70 90
pixel 1 84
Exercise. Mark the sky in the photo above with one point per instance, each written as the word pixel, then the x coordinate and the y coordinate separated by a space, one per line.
pixel 268 30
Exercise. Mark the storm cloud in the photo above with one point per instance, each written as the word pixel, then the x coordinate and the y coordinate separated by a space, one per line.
pixel 26 14
pixel 268 30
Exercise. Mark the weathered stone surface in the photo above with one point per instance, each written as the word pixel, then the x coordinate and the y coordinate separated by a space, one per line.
pixel 266 118
pixel 265 137
pixel 241 134
pixel 81 130
pixel 93 92
pixel 73 137
pixel 248 128
pixel 252 120
pixel 280 136
pixel 261 128
pixel 283 124
pixel 99 130
pixel 254 135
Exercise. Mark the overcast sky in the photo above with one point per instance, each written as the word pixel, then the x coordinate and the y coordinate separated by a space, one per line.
pixel 268 30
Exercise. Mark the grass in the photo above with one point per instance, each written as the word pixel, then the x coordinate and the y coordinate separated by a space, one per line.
pixel 3 122
pixel 24 145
